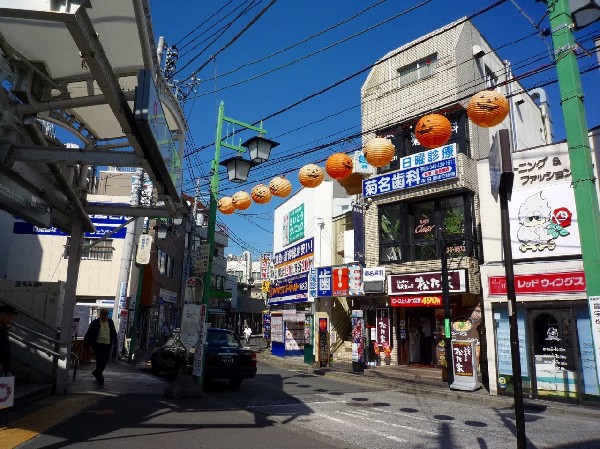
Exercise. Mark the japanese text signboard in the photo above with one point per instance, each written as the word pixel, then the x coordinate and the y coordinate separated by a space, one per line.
pixel 540 284
pixel 464 366
pixel 340 281
pixel 294 260
pixel 324 281
pixel 293 225
pixel 416 301
pixel 289 290
pixel 429 282
pixel 427 167
pixel 355 280
pixel 382 324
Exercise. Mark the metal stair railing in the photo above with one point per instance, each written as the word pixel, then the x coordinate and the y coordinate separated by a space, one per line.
pixel 54 351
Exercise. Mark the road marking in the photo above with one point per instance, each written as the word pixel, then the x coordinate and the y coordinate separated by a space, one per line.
pixel 30 426
pixel 368 429
pixel 389 424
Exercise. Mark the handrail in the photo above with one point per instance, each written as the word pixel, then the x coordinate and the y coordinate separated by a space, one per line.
pixel 31 331
pixel 47 351
pixel 29 315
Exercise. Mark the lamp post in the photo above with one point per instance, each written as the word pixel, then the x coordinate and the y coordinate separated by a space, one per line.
pixel 260 148
pixel 562 22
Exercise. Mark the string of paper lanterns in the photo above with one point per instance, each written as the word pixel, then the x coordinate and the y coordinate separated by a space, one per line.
pixel 486 109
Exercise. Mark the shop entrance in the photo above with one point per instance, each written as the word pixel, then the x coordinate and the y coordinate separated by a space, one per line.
pixel 421 328
pixel 554 343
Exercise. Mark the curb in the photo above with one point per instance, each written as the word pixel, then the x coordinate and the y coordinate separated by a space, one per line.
pixel 404 386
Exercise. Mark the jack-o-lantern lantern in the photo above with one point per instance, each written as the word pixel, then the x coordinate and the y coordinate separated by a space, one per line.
pixel 487 108
pixel 241 200
pixel 225 205
pixel 352 184
pixel 379 151
pixel 433 130
pixel 261 194
pixel 339 166
pixel 311 175
pixel 279 186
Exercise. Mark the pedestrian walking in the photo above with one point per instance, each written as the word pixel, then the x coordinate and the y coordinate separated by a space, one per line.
pixel 247 334
pixel 7 314
pixel 101 336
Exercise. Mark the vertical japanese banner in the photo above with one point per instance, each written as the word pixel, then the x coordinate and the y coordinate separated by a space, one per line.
pixel 382 324
pixel 197 368
pixel 358 349
pixel 594 304
pixel 359 232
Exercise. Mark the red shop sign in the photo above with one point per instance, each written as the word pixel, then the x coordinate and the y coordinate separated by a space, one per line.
pixel 540 284
pixel 416 301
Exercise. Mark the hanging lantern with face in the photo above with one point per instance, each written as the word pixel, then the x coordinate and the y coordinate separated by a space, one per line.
pixel 261 194
pixel 241 200
pixel 339 166
pixel 487 108
pixel 225 205
pixel 281 187
pixel 379 151
pixel 433 130
pixel 311 175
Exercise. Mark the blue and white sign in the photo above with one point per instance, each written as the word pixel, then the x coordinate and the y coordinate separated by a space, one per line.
pixel 299 250
pixel 324 281
pixel 427 167
pixel 103 224
pixel 312 284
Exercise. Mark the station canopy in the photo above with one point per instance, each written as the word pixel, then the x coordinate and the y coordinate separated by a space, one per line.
pixel 76 64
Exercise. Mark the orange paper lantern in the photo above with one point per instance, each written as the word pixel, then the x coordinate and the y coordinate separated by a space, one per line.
pixel 352 184
pixel 261 194
pixel 281 187
pixel 225 205
pixel 311 175
pixel 241 200
pixel 487 108
pixel 379 151
pixel 339 166
pixel 433 130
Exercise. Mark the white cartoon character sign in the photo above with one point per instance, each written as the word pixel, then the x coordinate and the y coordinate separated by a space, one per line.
pixel 539 225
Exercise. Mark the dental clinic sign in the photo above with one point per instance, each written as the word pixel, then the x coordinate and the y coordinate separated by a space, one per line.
pixel 416 170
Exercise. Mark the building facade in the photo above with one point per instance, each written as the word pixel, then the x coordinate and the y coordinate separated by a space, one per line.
pixel 413 214
pixel 556 341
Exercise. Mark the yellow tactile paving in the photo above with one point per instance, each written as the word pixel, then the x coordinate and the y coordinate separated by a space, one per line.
pixel 26 428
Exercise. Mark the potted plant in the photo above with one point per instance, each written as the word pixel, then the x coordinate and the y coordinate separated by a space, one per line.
pixel 377 351
pixel 387 351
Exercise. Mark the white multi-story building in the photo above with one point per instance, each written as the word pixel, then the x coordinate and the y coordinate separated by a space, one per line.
pixel 437 73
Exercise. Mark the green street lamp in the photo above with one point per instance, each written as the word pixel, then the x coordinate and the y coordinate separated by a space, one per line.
pixel 584 12
pixel 237 170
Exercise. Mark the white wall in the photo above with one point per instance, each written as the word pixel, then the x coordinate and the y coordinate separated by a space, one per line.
pixel 317 206
pixel 490 207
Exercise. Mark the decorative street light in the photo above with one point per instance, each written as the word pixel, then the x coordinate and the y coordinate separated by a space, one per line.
pixel 237 169
pixel 584 12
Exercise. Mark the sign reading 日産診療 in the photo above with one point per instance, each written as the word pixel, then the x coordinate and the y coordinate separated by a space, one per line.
pixel 427 167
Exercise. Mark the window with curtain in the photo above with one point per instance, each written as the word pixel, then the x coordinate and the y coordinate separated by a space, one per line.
pixel 419 70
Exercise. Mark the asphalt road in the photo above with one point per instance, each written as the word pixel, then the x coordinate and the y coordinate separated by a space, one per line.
pixel 286 409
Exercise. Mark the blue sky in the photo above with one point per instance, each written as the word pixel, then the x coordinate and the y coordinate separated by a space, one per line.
pixel 254 86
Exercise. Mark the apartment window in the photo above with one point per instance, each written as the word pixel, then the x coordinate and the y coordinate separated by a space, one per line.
pixel 102 250
pixel 417 71
pixel 409 231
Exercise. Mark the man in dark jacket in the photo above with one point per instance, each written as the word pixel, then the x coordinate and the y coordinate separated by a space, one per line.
pixel 6 316
pixel 101 335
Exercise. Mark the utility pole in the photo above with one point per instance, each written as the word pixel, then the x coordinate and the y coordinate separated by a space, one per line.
pixel 582 170
pixel 126 262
